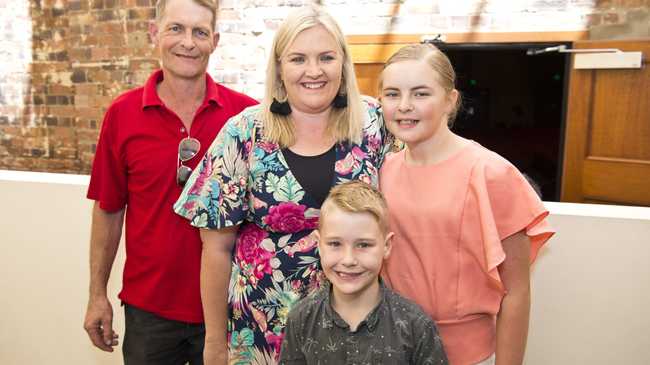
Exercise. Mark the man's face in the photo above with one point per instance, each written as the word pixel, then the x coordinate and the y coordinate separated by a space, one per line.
pixel 352 249
pixel 185 38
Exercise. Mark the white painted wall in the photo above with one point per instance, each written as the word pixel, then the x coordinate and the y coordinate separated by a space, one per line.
pixel 591 285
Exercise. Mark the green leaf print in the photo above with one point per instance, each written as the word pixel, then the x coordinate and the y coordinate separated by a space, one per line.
pixel 245 338
pixel 284 189
pixel 289 190
pixel 272 183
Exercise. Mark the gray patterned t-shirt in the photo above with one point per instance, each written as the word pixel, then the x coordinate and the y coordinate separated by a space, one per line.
pixel 397 331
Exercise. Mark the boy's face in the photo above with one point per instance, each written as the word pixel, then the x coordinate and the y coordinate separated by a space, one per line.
pixel 352 249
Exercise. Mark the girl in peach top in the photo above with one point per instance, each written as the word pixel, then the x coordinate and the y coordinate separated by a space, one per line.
pixel 467 224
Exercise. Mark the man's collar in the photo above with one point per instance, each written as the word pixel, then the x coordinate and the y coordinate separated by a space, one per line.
pixel 150 95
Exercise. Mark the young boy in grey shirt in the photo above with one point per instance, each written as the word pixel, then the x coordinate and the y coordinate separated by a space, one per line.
pixel 354 318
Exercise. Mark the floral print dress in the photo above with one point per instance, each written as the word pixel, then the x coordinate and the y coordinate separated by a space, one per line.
pixel 245 180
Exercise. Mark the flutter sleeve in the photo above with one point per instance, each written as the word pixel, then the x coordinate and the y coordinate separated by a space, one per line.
pixel 216 194
pixel 506 204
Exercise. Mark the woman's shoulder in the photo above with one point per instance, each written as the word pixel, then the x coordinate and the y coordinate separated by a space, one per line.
pixel 370 103
pixel 247 120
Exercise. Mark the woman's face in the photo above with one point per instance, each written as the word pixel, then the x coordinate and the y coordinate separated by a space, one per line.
pixel 311 70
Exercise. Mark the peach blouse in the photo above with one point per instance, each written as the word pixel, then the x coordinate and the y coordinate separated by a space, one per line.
pixel 449 220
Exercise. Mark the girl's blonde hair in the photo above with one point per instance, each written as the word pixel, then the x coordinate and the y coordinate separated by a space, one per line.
pixel 345 124
pixel 438 61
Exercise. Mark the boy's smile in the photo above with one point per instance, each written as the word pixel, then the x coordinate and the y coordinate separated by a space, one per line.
pixel 352 250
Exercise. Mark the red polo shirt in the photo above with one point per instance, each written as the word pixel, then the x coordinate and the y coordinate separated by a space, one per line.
pixel 135 166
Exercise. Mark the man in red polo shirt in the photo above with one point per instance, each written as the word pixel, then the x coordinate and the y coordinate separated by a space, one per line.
pixel 151 139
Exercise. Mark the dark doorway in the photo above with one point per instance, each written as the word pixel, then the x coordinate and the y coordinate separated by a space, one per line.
pixel 513 104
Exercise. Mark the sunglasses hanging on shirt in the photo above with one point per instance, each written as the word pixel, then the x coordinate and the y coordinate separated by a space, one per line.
pixel 188 147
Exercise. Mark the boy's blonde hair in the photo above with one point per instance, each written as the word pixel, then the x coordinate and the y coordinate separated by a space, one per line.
pixel 212 5
pixel 439 63
pixel 357 197
pixel 345 124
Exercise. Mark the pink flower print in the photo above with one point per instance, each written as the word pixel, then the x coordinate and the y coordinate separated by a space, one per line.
pixel 254 259
pixel 189 206
pixel 231 189
pixel 373 143
pixel 268 147
pixel 304 244
pixel 288 217
pixel 358 153
pixel 203 177
pixel 275 341
pixel 345 166
pixel 257 203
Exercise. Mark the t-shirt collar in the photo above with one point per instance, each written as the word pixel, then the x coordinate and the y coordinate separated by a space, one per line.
pixel 150 96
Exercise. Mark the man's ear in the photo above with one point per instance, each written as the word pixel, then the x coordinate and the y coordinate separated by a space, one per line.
pixel 215 40
pixel 153 32
pixel 388 245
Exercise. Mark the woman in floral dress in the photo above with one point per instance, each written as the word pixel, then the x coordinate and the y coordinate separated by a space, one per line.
pixel 257 193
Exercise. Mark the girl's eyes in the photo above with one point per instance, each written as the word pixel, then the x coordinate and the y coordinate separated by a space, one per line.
pixel 333 243
pixel 421 94
pixel 390 94
pixel 175 28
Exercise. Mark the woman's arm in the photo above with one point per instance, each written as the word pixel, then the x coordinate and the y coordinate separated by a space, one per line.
pixel 216 261
pixel 512 320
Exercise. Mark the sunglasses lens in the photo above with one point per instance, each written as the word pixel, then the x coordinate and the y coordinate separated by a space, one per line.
pixel 188 148
pixel 182 175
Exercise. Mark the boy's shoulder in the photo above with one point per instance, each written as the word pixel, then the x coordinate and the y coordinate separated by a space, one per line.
pixel 405 310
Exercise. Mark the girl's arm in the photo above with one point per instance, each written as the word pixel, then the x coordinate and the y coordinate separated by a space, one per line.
pixel 512 319
pixel 216 266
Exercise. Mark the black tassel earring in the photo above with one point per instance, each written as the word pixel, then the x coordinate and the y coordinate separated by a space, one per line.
pixel 340 101
pixel 282 108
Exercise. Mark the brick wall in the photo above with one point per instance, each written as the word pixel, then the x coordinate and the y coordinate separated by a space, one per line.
pixel 62 62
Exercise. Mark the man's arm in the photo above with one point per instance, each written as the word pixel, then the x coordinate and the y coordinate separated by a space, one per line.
pixel 216 261
pixel 512 320
pixel 105 234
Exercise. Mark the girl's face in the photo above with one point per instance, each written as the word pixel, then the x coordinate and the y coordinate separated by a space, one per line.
pixel 415 105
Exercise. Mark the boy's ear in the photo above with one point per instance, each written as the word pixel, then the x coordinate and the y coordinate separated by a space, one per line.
pixel 388 246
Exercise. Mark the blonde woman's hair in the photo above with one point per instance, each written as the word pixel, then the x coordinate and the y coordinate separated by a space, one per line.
pixel 345 124
pixel 357 197
pixel 437 60
pixel 212 5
